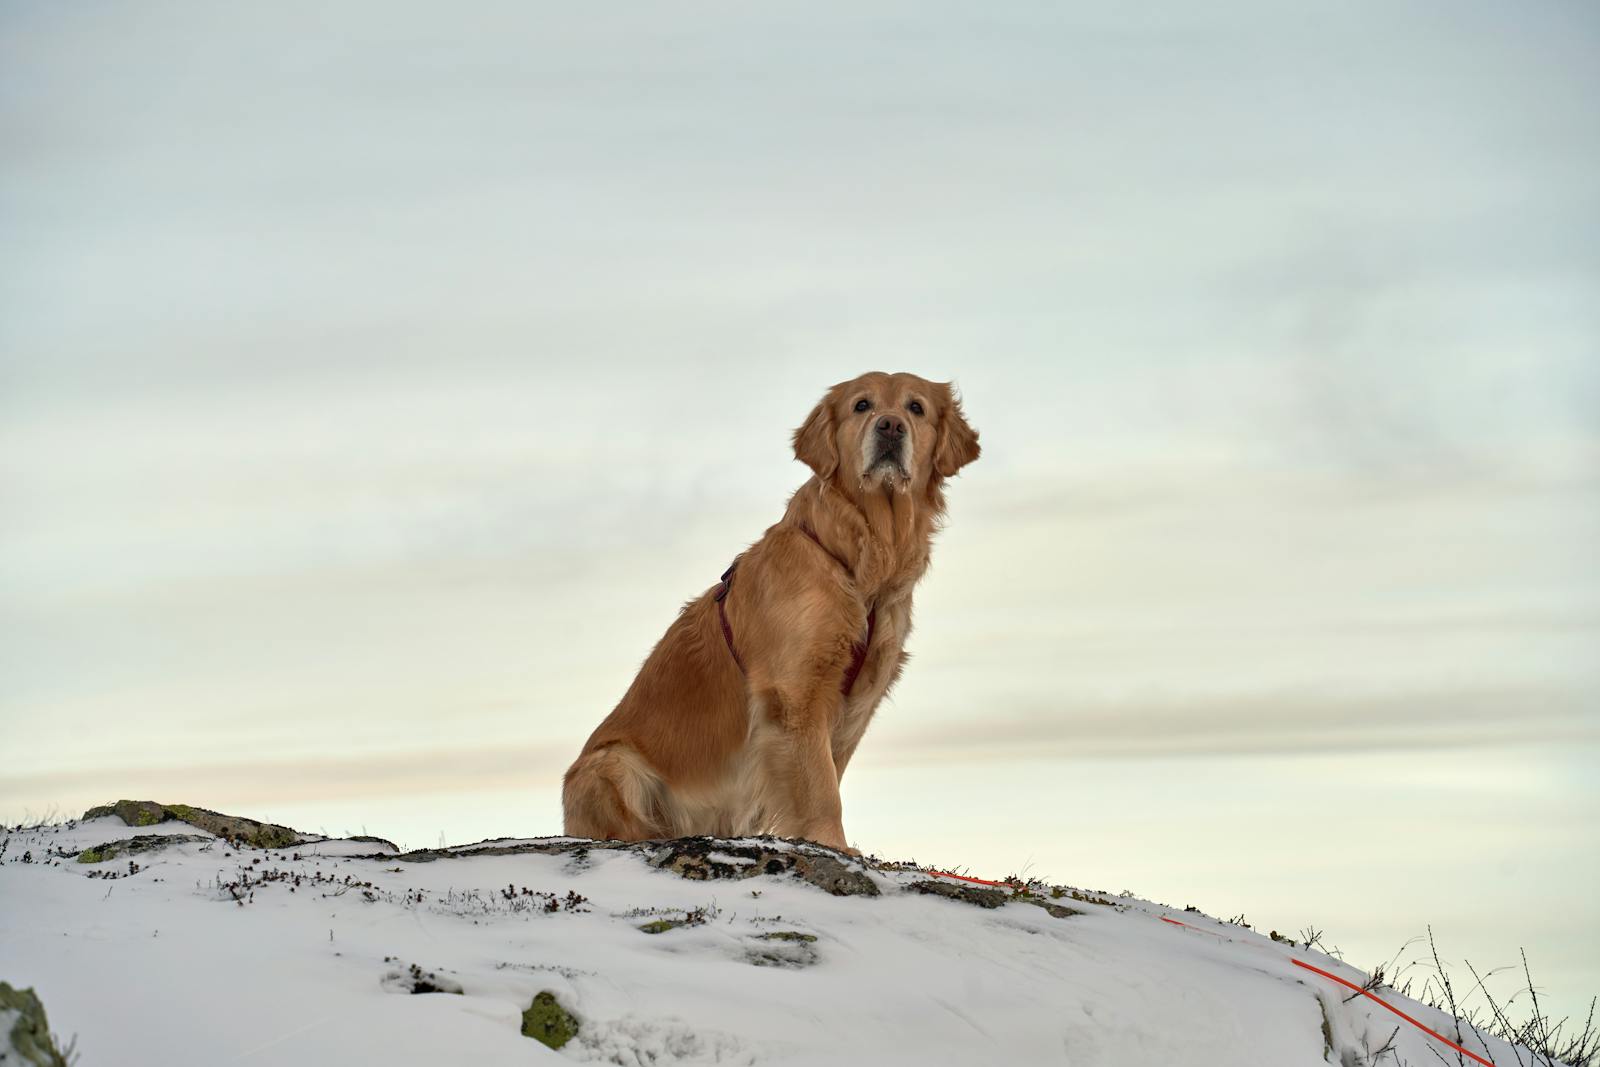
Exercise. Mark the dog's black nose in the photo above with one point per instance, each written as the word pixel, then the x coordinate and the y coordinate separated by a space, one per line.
pixel 891 427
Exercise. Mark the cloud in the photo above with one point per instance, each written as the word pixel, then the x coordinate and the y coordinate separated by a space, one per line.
pixel 299 780
pixel 1278 724
pixel 1266 725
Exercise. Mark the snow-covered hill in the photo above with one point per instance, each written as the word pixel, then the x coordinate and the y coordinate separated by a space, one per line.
pixel 169 944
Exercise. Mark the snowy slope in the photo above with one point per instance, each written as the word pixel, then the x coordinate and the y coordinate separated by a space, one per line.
pixel 213 954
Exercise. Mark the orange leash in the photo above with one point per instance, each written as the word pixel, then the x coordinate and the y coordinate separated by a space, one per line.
pixel 964 878
pixel 1391 1007
pixel 1298 963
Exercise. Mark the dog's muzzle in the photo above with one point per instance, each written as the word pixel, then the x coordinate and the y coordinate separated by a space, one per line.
pixel 886 445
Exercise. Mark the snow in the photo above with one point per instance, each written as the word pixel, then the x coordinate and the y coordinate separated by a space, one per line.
pixel 171 966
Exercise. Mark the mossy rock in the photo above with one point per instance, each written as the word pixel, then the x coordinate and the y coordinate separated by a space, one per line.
pixel 232 828
pixel 661 926
pixel 132 812
pixel 699 858
pixel 990 898
pixel 969 894
pixel 547 1022
pixel 236 828
pixel 706 859
pixel 1059 911
pixel 133 845
pixel 368 839
pixel 29 1041
pixel 783 948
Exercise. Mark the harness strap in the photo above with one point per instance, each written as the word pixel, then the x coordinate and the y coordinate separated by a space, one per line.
pixel 858 657
pixel 722 613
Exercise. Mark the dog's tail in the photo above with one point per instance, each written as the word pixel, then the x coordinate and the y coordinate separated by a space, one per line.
pixel 611 794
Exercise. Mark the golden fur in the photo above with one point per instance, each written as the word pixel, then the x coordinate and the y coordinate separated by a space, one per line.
pixel 698 746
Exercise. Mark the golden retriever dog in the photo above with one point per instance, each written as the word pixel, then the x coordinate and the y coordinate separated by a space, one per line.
pixel 745 715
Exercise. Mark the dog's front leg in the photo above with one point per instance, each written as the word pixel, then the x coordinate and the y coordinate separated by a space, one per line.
pixel 800 776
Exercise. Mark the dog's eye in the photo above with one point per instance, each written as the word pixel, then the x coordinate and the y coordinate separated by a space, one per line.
pixel 916 407
pixel 863 404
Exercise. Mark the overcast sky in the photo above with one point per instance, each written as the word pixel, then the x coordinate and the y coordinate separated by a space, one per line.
pixel 376 381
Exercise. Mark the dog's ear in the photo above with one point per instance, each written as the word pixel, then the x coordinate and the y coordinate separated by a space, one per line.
pixel 816 442
pixel 958 441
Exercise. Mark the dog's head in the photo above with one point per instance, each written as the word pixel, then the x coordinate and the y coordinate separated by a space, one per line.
pixel 882 431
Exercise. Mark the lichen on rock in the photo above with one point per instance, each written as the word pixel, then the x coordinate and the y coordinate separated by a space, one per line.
pixel 132 812
pixel 26 1030
pixel 990 898
pixel 697 858
pixel 1059 911
pixel 547 1022
pixel 133 845
pixel 782 948
pixel 970 894
pixel 706 858
pixel 232 828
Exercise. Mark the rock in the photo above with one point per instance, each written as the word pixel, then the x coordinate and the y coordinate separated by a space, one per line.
pixel 414 979
pixel 989 898
pixel 707 858
pixel 833 876
pixel 22 1020
pixel 1059 911
pixel 699 858
pixel 971 894
pixel 132 812
pixel 236 829
pixel 547 1022
pixel 368 839
pixel 133 845
pixel 232 828
pixel 697 917
pixel 783 948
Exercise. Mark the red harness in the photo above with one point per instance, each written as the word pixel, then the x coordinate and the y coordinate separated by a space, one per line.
pixel 859 654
